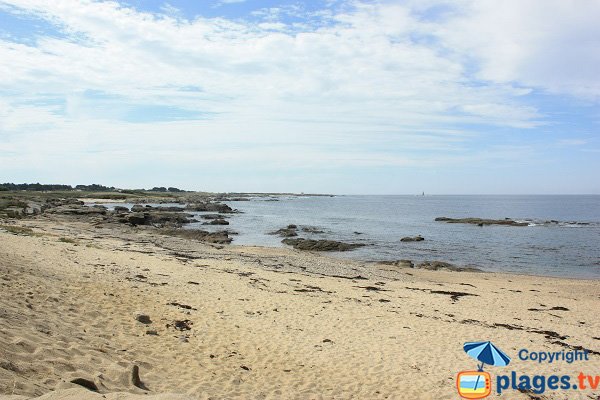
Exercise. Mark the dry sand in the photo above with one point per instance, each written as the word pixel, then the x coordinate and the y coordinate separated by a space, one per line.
pixel 263 323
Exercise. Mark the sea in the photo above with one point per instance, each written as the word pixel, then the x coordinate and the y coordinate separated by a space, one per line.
pixel 562 237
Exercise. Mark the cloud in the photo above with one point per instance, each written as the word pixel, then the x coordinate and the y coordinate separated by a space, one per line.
pixel 388 84
pixel 551 45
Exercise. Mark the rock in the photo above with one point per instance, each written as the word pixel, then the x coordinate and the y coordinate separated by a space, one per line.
pixel 138 219
pixel 220 221
pixel 207 206
pixel 14 212
pixel 148 208
pixel 213 216
pixel 438 265
pixel 143 318
pixel 285 232
pixel 169 209
pixel 481 221
pixel 159 218
pixel 320 245
pixel 311 229
pixel 398 263
pixel 140 208
pixel 292 226
pixel 220 237
pixel 120 209
pixel 78 210
pixel 417 238
pixel 181 325
pixel 151 332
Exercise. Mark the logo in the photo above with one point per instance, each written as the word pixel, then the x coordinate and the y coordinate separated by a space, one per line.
pixel 478 384
pixel 474 384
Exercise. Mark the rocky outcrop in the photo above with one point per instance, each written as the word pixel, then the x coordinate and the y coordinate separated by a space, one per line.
pixel 289 231
pixel 159 218
pixel 221 237
pixel 320 245
pixel 213 216
pixel 210 207
pixel 417 238
pixel 76 209
pixel 429 265
pixel 481 221
pixel 398 263
pixel 441 265
pixel 141 208
pixel 312 229
pixel 219 221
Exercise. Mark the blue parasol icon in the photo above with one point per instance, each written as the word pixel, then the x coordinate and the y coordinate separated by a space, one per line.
pixel 487 353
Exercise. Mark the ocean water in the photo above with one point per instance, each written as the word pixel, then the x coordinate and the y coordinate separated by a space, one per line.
pixel 565 248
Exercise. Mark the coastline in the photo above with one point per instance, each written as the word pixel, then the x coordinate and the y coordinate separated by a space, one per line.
pixel 263 322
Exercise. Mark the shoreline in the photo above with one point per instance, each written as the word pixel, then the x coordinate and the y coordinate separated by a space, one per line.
pixel 128 310
pixel 263 322
pixel 183 200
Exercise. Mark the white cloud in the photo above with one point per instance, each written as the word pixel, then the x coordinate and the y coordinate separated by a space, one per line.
pixel 551 45
pixel 376 84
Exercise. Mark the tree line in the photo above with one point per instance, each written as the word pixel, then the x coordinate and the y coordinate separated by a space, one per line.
pixel 39 187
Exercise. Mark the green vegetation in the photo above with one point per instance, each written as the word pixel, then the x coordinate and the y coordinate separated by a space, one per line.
pixel 38 187
pixel 67 240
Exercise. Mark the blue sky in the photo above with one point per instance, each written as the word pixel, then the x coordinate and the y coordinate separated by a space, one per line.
pixel 391 97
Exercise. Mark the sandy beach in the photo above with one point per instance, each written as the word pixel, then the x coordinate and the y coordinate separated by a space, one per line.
pixel 131 313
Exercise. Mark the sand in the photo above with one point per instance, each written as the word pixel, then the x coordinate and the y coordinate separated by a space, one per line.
pixel 263 323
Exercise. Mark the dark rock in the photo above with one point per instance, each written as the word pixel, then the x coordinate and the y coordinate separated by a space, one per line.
pixel 312 229
pixel 121 209
pixel 481 221
pixel 160 218
pixel 220 237
pixel 181 325
pixel 148 208
pixel 213 216
pixel 417 238
pixel 285 232
pixel 78 210
pixel 140 208
pixel 211 207
pixel 398 263
pixel 438 265
pixel 217 222
pixel 320 245
pixel 143 318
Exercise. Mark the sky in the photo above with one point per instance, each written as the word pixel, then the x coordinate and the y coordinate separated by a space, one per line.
pixel 321 96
